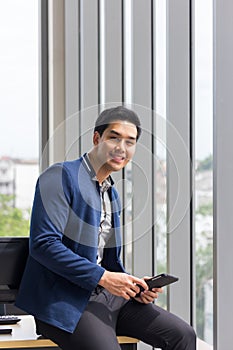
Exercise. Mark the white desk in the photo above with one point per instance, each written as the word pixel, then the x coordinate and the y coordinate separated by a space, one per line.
pixel 24 336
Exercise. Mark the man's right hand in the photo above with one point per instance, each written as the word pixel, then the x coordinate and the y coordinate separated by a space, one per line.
pixel 122 284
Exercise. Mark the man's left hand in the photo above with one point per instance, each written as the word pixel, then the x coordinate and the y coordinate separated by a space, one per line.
pixel 148 296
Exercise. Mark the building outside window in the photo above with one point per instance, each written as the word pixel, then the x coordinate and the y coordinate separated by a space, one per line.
pixel 19 114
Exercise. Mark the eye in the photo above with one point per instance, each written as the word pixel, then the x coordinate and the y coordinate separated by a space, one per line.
pixel 130 142
pixel 115 138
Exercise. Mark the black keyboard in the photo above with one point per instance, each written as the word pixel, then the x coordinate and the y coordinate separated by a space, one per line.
pixel 9 319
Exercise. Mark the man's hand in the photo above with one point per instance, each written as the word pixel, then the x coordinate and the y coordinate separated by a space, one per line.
pixel 122 284
pixel 148 296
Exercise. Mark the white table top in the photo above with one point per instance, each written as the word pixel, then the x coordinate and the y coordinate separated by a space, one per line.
pixel 23 335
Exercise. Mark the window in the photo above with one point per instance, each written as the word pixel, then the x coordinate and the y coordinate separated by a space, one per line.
pixel 204 168
pixel 19 110
pixel 161 163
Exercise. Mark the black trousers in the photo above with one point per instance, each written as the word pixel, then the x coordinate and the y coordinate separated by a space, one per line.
pixel 107 316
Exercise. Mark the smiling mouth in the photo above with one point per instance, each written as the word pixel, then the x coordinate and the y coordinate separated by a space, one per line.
pixel 117 159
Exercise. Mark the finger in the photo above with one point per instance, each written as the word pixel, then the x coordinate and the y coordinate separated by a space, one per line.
pixel 137 289
pixel 126 296
pixel 151 295
pixel 131 293
pixel 140 282
pixel 134 287
pixel 157 290
pixel 146 299
pixel 154 294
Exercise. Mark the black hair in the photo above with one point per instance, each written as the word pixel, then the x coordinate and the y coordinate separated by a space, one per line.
pixel 110 115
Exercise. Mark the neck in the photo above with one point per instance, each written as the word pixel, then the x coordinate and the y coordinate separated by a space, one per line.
pixel 101 172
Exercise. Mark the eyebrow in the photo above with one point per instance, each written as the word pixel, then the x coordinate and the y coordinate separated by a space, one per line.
pixel 114 132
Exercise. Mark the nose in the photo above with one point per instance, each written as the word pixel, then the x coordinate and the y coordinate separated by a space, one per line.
pixel 121 146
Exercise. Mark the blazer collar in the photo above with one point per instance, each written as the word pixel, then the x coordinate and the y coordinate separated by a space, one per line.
pixel 108 182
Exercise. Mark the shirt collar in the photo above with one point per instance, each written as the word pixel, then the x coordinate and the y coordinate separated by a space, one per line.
pixel 106 184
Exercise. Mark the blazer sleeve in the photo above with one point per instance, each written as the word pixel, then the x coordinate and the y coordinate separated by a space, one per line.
pixel 50 214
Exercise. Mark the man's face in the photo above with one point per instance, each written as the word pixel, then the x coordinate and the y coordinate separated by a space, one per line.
pixel 116 146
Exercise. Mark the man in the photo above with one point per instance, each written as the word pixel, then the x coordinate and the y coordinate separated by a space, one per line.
pixel 75 284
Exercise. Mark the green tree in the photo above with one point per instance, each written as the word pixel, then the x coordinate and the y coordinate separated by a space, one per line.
pixel 13 221
pixel 206 164
pixel 205 209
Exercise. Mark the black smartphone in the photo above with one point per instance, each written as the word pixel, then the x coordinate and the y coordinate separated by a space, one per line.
pixel 158 281
pixel 161 280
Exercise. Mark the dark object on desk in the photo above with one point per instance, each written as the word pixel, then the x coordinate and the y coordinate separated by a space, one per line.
pixel 9 319
pixel 5 330
pixel 13 257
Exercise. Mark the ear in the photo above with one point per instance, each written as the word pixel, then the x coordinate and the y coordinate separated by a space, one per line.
pixel 96 138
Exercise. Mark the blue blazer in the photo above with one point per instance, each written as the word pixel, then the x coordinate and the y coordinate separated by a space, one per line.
pixel 61 271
